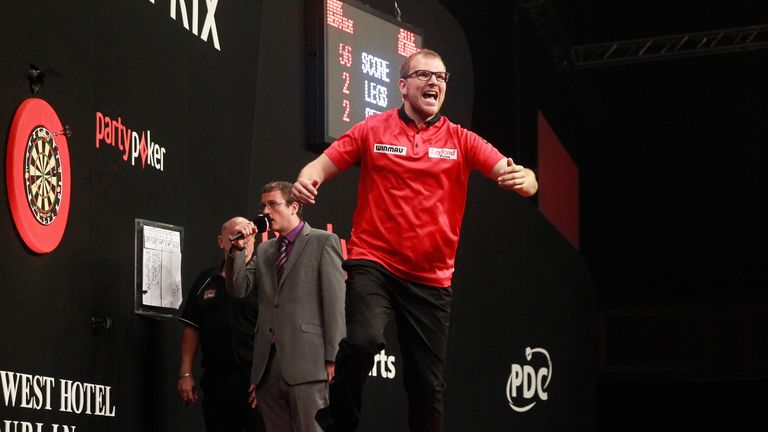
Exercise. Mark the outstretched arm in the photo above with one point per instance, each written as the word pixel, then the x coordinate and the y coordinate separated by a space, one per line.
pixel 311 177
pixel 515 177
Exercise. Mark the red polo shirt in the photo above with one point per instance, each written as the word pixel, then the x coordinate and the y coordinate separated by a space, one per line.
pixel 411 192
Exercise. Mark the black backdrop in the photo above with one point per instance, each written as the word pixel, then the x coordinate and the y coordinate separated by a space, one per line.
pixel 230 119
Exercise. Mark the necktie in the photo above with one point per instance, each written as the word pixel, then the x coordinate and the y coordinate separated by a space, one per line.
pixel 282 256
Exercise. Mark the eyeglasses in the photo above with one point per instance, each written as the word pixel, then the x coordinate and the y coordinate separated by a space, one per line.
pixel 272 204
pixel 425 75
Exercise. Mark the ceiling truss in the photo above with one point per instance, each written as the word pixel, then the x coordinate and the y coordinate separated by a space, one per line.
pixel 667 47
pixel 552 35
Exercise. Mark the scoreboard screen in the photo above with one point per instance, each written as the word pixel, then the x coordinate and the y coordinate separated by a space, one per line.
pixel 361 54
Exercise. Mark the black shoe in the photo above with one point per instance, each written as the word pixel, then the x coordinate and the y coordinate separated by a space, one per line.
pixel 325 420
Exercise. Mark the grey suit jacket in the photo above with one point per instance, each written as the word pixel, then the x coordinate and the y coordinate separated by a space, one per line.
pixel 303 312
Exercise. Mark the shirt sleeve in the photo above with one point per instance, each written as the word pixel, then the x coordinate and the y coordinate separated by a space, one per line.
pixel 347 149
pixel 192 314
pixel 481 155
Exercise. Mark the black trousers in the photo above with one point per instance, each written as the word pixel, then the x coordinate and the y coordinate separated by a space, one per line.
pixel 225 402
pixel 422 313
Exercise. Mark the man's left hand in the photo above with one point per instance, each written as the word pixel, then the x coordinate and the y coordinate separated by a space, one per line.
pixel 517 178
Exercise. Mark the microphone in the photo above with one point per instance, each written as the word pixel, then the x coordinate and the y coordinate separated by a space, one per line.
pixel 261 221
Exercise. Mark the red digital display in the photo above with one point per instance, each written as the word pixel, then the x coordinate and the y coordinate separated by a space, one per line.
pixel 335 17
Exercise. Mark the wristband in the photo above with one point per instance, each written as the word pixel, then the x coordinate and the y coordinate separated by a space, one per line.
pixel 188 374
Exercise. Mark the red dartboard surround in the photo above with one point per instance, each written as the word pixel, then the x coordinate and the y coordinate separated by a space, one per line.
pixel 38 175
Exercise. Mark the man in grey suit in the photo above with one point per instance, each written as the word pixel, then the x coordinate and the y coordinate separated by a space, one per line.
pixel 300 286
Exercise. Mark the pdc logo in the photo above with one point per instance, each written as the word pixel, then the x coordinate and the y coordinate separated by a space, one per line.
pixel 527 384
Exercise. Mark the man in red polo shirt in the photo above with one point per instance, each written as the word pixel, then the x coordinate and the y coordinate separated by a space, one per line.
pixel 414 169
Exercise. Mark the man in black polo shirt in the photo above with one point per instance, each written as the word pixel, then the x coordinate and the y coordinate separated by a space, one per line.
pixel 222 327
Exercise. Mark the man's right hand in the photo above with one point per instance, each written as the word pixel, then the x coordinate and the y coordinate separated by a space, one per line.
pixel 248 231
pixel 305 190
pixel 252 396
pixel 187 389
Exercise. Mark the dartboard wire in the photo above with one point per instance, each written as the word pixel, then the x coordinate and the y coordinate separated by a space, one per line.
pixel 49 163
pixel 42 167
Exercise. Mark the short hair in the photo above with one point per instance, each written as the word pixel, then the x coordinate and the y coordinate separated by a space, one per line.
pixel 233 222
pixel 405 66
pixel 286 191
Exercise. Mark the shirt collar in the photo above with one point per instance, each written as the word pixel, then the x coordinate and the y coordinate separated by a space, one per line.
pixel 294 233
pixel 407 120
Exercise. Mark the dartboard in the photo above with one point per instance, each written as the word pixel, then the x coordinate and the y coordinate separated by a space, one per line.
pixel 42 174
pixel 38 175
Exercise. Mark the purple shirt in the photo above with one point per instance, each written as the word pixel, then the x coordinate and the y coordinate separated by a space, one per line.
pixel 291 236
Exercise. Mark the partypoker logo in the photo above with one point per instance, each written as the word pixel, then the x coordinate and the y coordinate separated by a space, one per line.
pixel 38 175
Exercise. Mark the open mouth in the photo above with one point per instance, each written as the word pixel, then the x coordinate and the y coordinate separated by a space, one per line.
pixel 430 95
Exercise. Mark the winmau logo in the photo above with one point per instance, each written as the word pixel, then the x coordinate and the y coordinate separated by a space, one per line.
pixel 526 383
pixel 384 148
pixel 136 145
pixel 209 25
